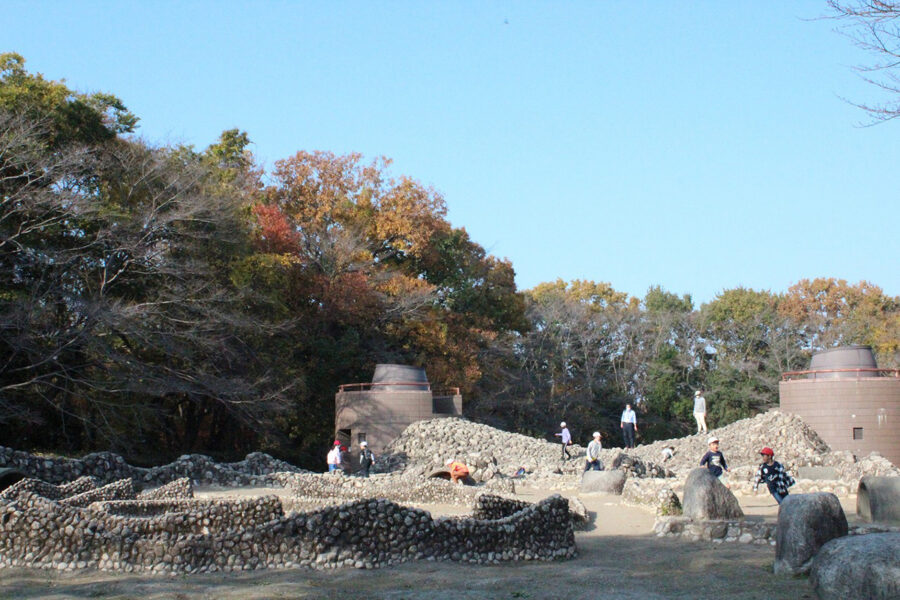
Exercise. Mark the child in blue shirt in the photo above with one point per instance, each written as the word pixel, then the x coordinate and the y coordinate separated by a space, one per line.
pixel 714 460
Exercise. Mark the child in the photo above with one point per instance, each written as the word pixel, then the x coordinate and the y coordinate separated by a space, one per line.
pixel 714 460
pixel 366 458
pixel 566 439
pixel 592 457
pixel 334 457
pixel 774 475
pixel 668 452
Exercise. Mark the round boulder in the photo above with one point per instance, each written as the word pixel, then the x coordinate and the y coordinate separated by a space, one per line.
pixel 858 567
pixel 878 499
pixel 603 482
pixel 705 498
pixel 805 523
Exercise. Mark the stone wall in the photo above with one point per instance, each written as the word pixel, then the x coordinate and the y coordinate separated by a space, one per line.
pixel 107 467
pixel 191 536
pixel 739 530
pixel 743 531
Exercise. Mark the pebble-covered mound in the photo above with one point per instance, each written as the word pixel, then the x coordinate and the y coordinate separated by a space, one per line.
pixel 425 446
pixel 794 442
pixel 107 467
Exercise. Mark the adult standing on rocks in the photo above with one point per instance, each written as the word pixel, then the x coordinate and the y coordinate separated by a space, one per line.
pixel 566 439
pixel 629 425
pixel 700 411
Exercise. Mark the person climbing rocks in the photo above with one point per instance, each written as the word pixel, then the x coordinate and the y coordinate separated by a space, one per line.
pixel 629 426
pixel 458 470
pixel 714 460
pixel 700 411
pixel 565 438
pixel 592 457
pixel 334 457
pixel 366 458
pixel 773 475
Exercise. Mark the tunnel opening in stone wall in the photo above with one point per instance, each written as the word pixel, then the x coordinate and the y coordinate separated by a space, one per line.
pixel 9 477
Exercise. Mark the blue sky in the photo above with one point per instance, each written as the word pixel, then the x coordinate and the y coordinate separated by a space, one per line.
pixel 699 146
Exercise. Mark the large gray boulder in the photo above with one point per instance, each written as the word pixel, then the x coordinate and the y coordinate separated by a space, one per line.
pixel 858 567
pixel 805 523
pixel 878 499
pixel 705 498
pixel 603 482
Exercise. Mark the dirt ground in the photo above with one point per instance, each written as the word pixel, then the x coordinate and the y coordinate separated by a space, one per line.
pixel 618 558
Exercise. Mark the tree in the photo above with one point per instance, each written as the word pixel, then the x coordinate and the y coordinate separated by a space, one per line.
pixel 117 323
pixel 69 117
pixel 874 25
pixel 830 312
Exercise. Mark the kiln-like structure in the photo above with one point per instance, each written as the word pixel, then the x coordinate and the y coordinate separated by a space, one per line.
pixel 851 403
pixel 378 412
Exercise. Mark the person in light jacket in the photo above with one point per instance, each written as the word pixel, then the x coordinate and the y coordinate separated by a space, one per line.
pixel 592 458
pixel 700 411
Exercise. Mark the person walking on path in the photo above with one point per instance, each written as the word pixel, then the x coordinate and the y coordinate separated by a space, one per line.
pixel 714 460
pixel 566 439
pixel 334 457
pixel 773 475
pixel 629 426
pixel 592 458
pixel 700 411
pixel 366 458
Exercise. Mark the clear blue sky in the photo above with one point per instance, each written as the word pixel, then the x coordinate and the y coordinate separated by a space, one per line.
pixel 699 146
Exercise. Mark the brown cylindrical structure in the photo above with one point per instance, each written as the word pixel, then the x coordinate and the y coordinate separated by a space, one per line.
pixel 378 412
pixel 848 401
pixel 842 362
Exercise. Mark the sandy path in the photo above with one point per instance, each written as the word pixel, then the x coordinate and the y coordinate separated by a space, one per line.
pixel 618 558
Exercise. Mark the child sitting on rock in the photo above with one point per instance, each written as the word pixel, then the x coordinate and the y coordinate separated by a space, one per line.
pixel 773 474
pixel 714 460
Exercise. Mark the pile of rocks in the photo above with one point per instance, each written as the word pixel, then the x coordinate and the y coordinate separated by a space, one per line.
pixel 107 467
pixel 491 453
pixel 795 444
pixel 191 536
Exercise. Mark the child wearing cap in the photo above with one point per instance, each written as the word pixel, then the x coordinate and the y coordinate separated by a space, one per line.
pixel 592 457
pixel 714 460
pixel 366 458
pixel 565 438
pixel 773 474
pixel 334 457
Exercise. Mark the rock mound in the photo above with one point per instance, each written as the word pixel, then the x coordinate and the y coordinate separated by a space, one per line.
pixel 489 452
pixel 795 443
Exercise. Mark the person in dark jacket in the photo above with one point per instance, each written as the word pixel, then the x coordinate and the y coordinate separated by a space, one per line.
pixel 366 458
pixel 773 475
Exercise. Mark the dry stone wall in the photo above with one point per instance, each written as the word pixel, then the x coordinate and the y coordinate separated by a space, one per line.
pixel 107 467
pixel 191 536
